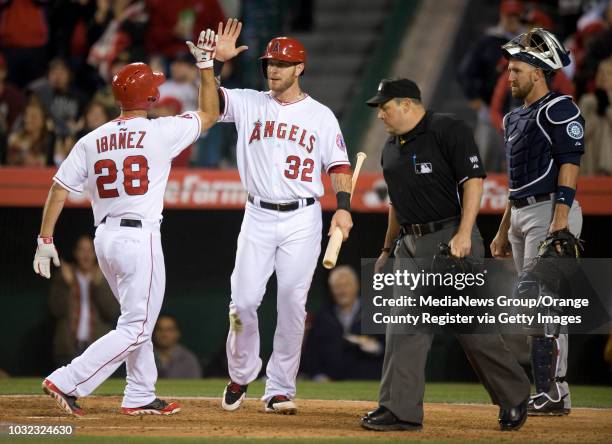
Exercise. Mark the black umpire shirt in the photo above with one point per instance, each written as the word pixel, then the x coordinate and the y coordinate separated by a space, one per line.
pixel 425 167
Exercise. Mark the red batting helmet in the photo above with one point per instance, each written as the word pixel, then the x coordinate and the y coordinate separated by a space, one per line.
pixel 286 49
pixel 135 86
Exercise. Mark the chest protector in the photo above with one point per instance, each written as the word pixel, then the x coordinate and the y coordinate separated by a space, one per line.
pixel 531 169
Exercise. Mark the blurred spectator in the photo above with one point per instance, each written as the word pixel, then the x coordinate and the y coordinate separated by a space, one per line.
pixel 578 43
pixel 599 48
pixel 69 21
pixel 171 22
pixel 24 34
pixel 165 107
pixel 61 99
pixel 173 360
pixel 31 144
pixel 11 100
pixel 82 303
pixel 334 347
pixel 478 75
pixel 182 83
pixel 597 111
pixel 11 106
pixel 96 115
pixel 121 27
pixel 104 95
pixel 62 147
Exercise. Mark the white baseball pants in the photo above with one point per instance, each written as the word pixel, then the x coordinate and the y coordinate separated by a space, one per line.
pixel 133 263
pixel 288 243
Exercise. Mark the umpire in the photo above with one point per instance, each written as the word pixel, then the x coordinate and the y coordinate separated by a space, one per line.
pixel 427 160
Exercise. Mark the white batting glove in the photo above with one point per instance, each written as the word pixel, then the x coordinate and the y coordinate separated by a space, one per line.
pixel 204 53
pixel 44 253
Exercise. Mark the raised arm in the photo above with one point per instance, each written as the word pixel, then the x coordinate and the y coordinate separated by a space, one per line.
pixel 208 99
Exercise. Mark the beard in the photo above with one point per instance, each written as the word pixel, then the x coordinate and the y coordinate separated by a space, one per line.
pixel 519 92
pixel 280 86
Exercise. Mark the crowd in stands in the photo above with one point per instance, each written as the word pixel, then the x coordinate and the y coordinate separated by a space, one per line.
pixel 585 27
pixel 57 59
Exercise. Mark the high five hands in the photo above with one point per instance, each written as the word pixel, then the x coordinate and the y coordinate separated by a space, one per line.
pixel 226 43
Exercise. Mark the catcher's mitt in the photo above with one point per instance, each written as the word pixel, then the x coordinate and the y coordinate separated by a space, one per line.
pixel 561 243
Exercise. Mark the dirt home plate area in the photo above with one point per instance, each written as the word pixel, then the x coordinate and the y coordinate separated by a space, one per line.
pixel 203 417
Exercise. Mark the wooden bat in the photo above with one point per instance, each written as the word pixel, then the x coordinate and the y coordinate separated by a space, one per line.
pixel 335 240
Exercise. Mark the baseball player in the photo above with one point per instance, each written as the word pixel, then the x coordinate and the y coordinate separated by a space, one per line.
pixel 544 141
pixel 123 167
pixel 286 139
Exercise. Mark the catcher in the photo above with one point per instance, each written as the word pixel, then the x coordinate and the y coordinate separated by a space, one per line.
pixel 544 141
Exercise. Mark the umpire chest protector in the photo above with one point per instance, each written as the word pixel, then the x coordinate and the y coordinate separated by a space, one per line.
pixel 529 135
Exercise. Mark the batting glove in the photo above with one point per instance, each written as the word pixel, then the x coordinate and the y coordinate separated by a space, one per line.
pixel 44 253
pixel 204 53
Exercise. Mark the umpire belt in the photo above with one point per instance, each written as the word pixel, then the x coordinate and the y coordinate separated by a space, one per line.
pixel 525 201
pixel 287 206
pixel 430 227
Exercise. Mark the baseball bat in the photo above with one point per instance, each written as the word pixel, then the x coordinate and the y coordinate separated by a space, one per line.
pixel 335 240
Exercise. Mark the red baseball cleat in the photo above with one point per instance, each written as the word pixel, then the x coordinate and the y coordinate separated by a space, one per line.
pixel 157 407
pixel 65 402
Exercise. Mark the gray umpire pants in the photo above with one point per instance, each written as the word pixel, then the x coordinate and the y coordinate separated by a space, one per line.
pixel 403 375
pixel 528 228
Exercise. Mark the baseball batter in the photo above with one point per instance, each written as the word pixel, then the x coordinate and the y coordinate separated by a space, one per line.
pixel 286 139
pixel 123 167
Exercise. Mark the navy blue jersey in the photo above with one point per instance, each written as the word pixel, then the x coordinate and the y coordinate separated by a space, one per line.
pixel 539 139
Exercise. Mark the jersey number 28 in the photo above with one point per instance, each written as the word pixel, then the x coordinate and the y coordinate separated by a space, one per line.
pixel 130 176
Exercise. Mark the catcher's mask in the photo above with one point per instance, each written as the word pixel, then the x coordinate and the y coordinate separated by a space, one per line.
pixel 539 48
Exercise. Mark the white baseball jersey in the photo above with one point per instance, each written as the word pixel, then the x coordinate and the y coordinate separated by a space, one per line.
pixel 123 166
pixel 283 147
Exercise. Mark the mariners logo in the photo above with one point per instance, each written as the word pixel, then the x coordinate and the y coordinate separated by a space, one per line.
pixel 575 130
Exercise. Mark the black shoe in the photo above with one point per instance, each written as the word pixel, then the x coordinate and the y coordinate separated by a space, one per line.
pixel 376 412
pixel 233 395
pixel 386 421
pixel 513 418
pixel 543 405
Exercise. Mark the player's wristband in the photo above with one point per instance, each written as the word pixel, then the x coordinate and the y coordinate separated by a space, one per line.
pixel 385 250
pixel 344 200
pixel 565 195
pixel 45 240
pixel 218 67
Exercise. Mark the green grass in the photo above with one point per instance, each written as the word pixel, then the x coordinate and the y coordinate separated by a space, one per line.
pixel 582 396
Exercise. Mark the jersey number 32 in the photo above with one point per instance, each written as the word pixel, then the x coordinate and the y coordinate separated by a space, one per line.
pixel 135 182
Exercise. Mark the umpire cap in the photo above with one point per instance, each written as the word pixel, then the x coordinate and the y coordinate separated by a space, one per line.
pixel 395 88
